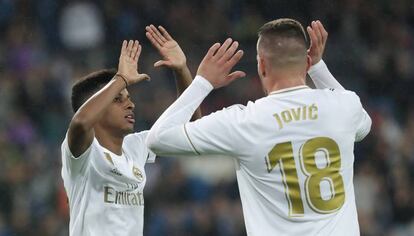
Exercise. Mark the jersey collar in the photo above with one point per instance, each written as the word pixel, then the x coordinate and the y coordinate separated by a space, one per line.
pixel 289 89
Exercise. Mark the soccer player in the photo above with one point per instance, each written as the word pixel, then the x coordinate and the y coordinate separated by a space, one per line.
pixel 293 147
pixel 102 160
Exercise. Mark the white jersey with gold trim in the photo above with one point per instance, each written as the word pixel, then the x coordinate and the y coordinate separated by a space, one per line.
pixel 294 153
pixel 105 190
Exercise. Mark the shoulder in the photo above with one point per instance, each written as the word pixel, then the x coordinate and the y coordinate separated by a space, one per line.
pixel 235 112
pixel 339 92
pixel 346 97
pixel 67 153
pixel 136 140
pixel 137 137
pixel 135 144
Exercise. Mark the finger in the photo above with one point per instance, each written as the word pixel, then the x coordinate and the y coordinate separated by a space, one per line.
pixel 165 33
pixel 230 52
pixel 223 48
pixel 142 77
pixel 154 36
pixel 318 33
pixel 157 32
pixel 312 36
pixel 137 50
pixel 324 32
pixel 129 48
pixel 154 42
pixel 134 49
pixel 124 47
pixel 212 50
pixel 162 63
pixel 236 75
pixel 235 58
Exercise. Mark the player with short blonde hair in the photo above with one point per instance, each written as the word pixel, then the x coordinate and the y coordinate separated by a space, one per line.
pixel 293 147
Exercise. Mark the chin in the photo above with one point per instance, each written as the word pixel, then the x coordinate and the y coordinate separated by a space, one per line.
pixel 128 130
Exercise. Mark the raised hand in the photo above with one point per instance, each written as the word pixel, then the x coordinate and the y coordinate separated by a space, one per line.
pixel 318 37
pixel 173 56
pixel 218 62
pixel 128 62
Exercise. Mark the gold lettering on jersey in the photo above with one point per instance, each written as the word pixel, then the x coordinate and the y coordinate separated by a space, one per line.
pixel 296 113
pixel 313 112
pixel 122 198
pixel 308 112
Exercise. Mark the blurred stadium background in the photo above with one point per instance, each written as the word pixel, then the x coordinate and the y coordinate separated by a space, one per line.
pixel 46 44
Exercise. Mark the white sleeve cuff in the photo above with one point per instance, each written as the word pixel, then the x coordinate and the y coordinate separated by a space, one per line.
pixel 204 83
pixel 313 69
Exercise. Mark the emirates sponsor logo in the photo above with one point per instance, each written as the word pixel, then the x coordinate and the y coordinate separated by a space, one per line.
pixel 112 196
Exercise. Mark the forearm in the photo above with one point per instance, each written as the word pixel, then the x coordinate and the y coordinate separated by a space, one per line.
pixel 92 110
pixel 183 79
pixel 176 116
pixel 322 77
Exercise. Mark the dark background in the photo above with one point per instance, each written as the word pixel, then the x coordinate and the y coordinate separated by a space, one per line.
pixel 45 45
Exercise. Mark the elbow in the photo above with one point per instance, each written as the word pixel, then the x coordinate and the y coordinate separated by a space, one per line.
pixel 365 130
pixel 79 124
pixel 368 123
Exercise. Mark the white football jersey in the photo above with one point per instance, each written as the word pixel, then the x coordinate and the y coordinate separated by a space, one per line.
pixel 105 190
pixel 294 152
pixel 293 148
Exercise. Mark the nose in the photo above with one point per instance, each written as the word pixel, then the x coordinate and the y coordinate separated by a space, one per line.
pixel 131 105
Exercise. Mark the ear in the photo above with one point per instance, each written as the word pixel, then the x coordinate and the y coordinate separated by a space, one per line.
pixel 309 63
pixel 261 66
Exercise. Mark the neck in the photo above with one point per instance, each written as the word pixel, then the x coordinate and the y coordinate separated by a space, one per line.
pixel 109 141
pixel 278 82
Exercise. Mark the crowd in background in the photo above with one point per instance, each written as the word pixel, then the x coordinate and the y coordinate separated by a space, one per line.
pixel 45 45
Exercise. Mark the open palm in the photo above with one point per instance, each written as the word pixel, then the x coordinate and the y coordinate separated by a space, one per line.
pixel 173 56
pixel 128 62
pixel 318 37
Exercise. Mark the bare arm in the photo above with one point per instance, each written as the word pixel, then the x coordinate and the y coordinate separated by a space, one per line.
pixel 173 57
pixel 80 132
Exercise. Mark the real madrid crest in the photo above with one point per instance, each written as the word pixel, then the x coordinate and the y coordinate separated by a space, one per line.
pixel 137 173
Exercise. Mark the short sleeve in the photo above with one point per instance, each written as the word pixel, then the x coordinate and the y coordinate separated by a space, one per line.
pixel 224 132
pixel 76 165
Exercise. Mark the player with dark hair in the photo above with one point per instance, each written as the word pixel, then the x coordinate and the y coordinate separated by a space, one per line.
pixel 102 159
pixel 293 147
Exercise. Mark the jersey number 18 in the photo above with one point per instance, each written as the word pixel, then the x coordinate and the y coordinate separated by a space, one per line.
pixel 282 154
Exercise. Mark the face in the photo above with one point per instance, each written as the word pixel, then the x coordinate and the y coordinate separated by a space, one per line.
pixel 119 117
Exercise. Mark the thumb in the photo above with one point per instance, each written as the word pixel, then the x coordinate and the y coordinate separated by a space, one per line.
pixel 142 77
pixel 235 75
pixel 161 63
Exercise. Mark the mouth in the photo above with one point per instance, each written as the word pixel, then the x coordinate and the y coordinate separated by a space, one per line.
pixel 130 118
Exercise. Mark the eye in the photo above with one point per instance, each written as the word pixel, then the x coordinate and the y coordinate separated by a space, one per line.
pixel 117 99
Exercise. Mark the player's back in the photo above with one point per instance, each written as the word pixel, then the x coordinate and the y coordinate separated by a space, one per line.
pixel 295 171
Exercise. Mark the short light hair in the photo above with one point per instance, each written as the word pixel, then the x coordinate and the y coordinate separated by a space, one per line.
pixel 283 42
